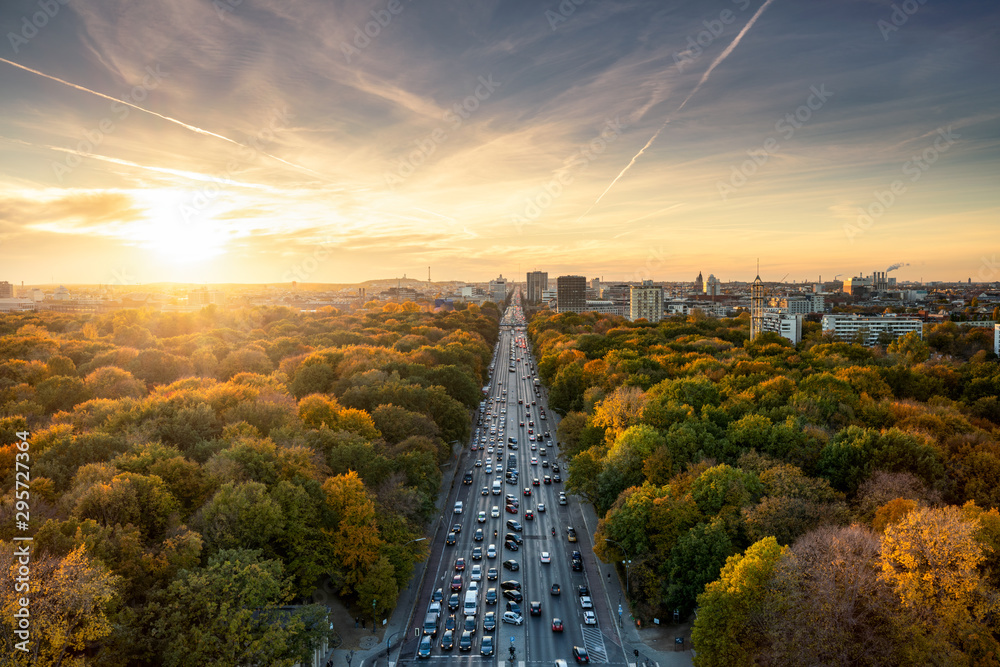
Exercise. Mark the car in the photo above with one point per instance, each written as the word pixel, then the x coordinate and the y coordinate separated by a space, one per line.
pixel 534 482
pixel 489 622
pixel 495 512
pixel 557 478
pixel 470 624
pixel 484 492
pixel 534 460
pixel 438 595
pixel 515 537
pixel 586 602
pixel 473 585
pixel 489 467
pixel 535 608
pixel 465 643
pixel 582 590
pixel 459 564
pixel 576 555
pixel 545 463
pixel 510 585
pixel 521 423
pixel 542 452
pixel 467 479
pixel 511 509
pixel 510 545
pixel 486 646
pixel 511 617
pixel 529 515
pixel 527 490
pixel 451 539
pixel 545 557
pixel 557 625
pixel 546 479
pixel 456 582
pixel 514 607
pixel 478 537
pixel 425 647
pixel 514 525
pixel 481 517
pixel 556 590
pixel 532 439
pixel 511 564
pixel 491 596
pixel 589 617
pixel 477 572
pixel 453 601
pixel 541 508
pixel 581 655
pixel 456 528
pixel 571 533
pixel 449 623
pixel 513 595
pixel 576 565
pixel 477 553
pixel 491 551
pixel 479 464
pixel 492 574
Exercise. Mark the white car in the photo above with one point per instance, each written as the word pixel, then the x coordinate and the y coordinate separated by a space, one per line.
pixel 534 461
pixel 541 507
pixel 511 617
pixel 495 512
pixel 474 586
pixel 489 468
pixel 477 573
pixel 586 602
pixel 482 517
pixel 545 557
pixel 491 551
pixel 589 617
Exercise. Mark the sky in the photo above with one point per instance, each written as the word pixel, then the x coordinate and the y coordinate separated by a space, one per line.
pixel 264 141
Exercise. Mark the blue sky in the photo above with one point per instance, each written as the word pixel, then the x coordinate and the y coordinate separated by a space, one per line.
pixel 284 146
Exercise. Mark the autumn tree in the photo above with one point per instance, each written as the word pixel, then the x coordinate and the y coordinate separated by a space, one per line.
pixel 354 532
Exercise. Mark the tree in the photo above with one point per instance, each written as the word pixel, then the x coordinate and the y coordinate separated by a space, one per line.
pixel 695 561
pixel 113 382
pixel 725 487
pixel 71 598
pixel 910 347
pixel 354 531
pixel 60 393
pixel 240 515
pixel 229 614
pixel 729 629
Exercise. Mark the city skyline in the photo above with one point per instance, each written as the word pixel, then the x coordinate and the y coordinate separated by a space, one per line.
pixel 241 142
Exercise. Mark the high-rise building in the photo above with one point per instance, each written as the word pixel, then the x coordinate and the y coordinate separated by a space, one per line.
pixel 646 302
pixel 712 286
pixel 699 284
pixel 756 308
pixel 498 290
pixel 538 282
pixel 571 294
pixel 783 324
pixel 6 290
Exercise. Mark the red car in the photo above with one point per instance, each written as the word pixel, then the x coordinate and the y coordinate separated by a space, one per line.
pixel 511 509
pixel 557 625
pixel 456 582
pixel 459 564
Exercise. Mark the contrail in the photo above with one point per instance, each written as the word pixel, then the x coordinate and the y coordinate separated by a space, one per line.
pixel 193 128
pixel 704 78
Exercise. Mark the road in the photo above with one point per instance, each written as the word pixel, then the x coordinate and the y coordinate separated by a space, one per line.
pixel 508 405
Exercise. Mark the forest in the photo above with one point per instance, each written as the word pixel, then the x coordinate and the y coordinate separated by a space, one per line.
pixel 196 477
pixel 818 504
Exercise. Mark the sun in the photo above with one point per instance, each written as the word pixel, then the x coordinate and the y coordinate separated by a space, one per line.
pixel 179 232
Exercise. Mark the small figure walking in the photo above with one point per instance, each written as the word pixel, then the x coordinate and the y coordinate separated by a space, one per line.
pixel 355 622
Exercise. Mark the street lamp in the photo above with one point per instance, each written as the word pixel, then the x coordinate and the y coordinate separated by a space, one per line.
pixel 373 616
pixel 627 562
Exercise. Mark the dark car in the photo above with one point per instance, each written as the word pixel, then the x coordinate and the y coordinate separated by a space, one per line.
pixel 490 621
pixel 582 590
pixel 456 582
pixel 511 564
pixel 491 596
pixel 451 539
pixel 467 479
pixel 453 601
pixel 470 624
pixel 459 564
pixel 581 655
pixel 448 640
pixel 535 608
pixel 486 646
pixel 514 607
pixel 529 515
pixel 510 585
pixel 465 643
pixel 555 589
pixel 556 477
pixel 514 525
pixel 449 623
pixel 513 595
pixel 456 528
pixel 425 647
pixel 438 595
pixel 510 546
pixel 514 537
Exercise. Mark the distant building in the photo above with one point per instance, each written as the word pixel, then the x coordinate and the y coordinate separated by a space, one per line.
pixel 16 304
pixel 785 325
pixel 712 286
pixel 205 297
pixel 61 294
pixel 537 283
pixel 498 290
pixel 646 302
pixel 6 290
pixel 571 294
pixel 604 306
pixel 756 308
pixel 807 303
pixel 699 284
pixel 847 327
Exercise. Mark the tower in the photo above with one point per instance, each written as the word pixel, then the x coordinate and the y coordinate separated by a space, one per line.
pixel 756 307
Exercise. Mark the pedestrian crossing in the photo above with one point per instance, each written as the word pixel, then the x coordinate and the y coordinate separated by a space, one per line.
pixel 593 640
pixel 505 663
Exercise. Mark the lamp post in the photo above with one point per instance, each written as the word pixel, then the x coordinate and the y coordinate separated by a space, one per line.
pixel 627 562
pixel 373 616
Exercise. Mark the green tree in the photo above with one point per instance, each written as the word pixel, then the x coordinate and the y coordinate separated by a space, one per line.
pixel 696 560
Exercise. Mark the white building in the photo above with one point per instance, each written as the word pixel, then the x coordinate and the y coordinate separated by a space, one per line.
pixel 498 290
pixel 846 327
pixel 712 285
pixel 802 305
pixel 646 302
pixel 606 307
pixel 784 324
pixel 16 305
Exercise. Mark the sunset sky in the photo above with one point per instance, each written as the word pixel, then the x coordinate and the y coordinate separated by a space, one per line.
pixel 272 135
